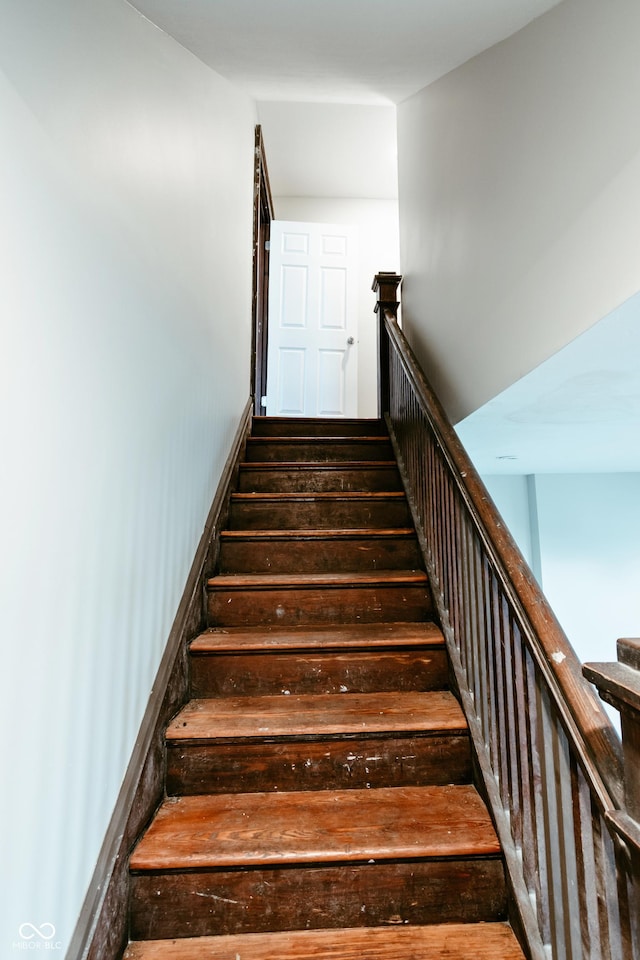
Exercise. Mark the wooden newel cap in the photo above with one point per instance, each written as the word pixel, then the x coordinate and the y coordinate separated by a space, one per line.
pixel 619 683
pixel 386 286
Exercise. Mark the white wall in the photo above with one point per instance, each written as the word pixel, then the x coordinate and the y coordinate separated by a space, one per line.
pixel 512 496
pixel 589 533
pixel 519 182
pixel 125 289
pixel 331 149
pixel 587 528
pixel 378 244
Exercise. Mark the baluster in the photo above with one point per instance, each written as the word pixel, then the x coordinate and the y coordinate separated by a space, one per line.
pixel 585 863
pixel 526 840
pixel 493 733
pixel 449 572
pixel 534 683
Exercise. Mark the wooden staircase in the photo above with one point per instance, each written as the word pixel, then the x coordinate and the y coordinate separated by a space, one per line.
pixel 319 796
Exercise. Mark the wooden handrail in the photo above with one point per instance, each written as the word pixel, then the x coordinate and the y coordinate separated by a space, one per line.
pixel 549 755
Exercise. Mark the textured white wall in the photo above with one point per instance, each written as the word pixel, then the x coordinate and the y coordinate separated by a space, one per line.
pixel 519 183
pixel 378 244
pixel 125 289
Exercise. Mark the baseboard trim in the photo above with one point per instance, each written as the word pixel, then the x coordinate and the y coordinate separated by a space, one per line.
pixel 101 930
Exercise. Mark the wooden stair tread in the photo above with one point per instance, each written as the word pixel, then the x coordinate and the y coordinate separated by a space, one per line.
pixel 328 497
pixel 318 715
pixel 315 466
pixel 445 941
pixel 341 826
pixel 350 533
pixel 258 581
pixel 352 637
pixel 320 440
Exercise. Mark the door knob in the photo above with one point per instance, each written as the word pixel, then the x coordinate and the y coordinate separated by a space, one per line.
pixel 350 341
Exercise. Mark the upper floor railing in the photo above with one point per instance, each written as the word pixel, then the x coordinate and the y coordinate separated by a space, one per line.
pixel 550 760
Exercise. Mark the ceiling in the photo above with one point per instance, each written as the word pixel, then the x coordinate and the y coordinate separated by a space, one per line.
pixel 578 412
pixel 338 51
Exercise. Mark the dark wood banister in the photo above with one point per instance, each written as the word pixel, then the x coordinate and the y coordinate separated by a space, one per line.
pixel 593 741
pixel 557 656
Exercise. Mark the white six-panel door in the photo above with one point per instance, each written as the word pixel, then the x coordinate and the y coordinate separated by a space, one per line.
pixel 312 367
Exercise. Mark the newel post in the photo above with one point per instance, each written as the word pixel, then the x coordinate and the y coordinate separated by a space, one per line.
pixel 385 286
pixel 619 684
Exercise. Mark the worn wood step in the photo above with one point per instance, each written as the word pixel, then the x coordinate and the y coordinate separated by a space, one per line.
pixel 319 477
pixel 357 659
pixel 315 716
pixel 250 862
pixel 316 427
pixel 446 941
pixel 317 551
pixel 352 637
pixel 293 511
pixel 322 742
pixel 265 599
pixel 317 449
pixel 341 826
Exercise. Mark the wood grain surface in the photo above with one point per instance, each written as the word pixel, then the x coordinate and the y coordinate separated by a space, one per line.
pixel 384 893
pixel 293 511
pixel 317 551
pixel 451 941
pixel 330 826
pixel 343 637
pixel 317 427
pixel 339 763
pixel 319 477
pixel 317 715
pixel 319 671
pixel 317 449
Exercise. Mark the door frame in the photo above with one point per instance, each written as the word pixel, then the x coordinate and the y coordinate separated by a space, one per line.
pixel 262 216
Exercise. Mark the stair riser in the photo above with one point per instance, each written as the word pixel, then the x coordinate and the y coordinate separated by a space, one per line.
pixel 318 515
pixel 318 452
pixel 318 556
pixel 327 480
pixel 196 768
pixel 311 427
pixel 317 605
pixel 230 675
pixel 170 905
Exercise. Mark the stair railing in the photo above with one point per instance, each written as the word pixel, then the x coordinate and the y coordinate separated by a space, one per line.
pixel 549 759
